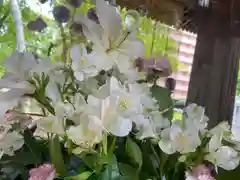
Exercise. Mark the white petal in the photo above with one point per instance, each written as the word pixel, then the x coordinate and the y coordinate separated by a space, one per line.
pixel 119 126
pixel 215 142
pixel 221 128
pixel 91 30
pixel 52 91
pixel 11 142
pixel 190 109
pixel 19 63
pixel 109 18
pixel 133 26
pixel 9 100
pixel 43 66
pixel 79 75
pixel 63 110
pixel 227 152
pixel 79 100
pixel 114 84
pixel 103 92
pixel 51 124
pixel 95 124
pixel 76 134
pixel 230 164
pixel 166 146
pixel 134 48
pixel 77 52
pixel 123 63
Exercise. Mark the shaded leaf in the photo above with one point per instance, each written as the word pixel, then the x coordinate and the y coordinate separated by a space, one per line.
pixel 56 155
pixel 111 172
pixel 82 176
pixel 128 171
pixel 91 160
pixel 134 152
pixel 164 100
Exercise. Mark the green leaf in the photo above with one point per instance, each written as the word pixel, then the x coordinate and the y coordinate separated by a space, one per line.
pixel 92 161
pixel 56 155
pixel 34 149
pixel 134 152
pixel 164 100
pixel 111 172
pixel 82 176
pixel 128 171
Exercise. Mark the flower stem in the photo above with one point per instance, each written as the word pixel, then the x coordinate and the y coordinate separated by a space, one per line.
pixel 105 145
pixel 112 147
pixel 70 144
pixel 64 46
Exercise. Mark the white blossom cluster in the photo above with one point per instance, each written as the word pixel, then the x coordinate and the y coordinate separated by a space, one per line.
pixel 114 107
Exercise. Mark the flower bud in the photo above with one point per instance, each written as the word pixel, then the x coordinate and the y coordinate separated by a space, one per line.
pixel 37 25
pixel 75 3
pixel 43 1
pixel 170 83
pixel 61 14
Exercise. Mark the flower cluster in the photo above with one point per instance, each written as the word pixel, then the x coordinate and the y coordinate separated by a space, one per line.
pixel 98 96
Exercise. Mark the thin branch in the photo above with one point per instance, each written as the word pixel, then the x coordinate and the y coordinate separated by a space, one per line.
pixel 64 41
pixel 19 25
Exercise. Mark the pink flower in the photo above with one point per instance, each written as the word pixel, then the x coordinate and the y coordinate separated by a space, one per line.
pixel 205 177
pixel 43 172
pixel 200 172
pixel 8 116
pixel 14 117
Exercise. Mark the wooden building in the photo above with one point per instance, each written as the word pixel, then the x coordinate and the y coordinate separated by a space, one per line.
pixel 215 66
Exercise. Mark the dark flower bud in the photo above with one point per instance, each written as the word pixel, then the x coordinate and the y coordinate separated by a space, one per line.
pixel 37 25
pixel 91 14
pixel 61 14
pixel 170 83
pixel 75 3
pixel 43 1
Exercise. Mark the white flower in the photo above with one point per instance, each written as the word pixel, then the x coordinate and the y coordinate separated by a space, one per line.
pixel 223 156
pixel 15 80
pixel 64 110
pixel 111 44
pixel 56 124
pixel 114 106
pixel 10 142
pixel 151 124
pixel 51 124
pixel 81 63
pixel 109 117
pixel 176 139
pixel 142 92
pixel 222 129
pixel 86 134
pixel 195 118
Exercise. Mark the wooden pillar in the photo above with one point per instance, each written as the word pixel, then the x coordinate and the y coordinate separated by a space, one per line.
pixel 215 66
